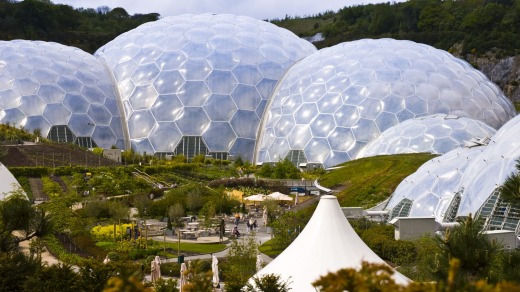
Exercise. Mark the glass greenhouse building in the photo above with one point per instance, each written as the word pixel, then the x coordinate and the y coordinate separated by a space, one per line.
pixel 227 86
pixel 332 104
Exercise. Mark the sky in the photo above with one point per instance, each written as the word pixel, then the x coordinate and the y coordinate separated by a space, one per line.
pixel 260 9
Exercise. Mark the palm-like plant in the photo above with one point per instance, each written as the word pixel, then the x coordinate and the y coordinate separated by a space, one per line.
pixel 510 190
pixel 467 243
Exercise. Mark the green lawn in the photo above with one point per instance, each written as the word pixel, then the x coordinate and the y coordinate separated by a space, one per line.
pixel 268 250
pixel 191 248
pixel 368 181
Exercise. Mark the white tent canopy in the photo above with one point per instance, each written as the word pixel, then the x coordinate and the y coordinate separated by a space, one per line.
pixel 7 182
pixel 328 243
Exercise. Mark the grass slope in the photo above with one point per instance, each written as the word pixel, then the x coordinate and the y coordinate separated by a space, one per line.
pixel 368 181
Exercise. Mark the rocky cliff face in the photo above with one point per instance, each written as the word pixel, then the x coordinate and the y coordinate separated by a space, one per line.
pixel 504 72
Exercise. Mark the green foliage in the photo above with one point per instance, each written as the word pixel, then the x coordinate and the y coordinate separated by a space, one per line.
pixel 510 189
pixel 105 233
pixel 469 244
pixel 55 247
pixel 240 264
pixel 368 181
pixel 268 283
pixel 377 237
pixel 283 169
pixel 371 277
pixel 200 278
pixel 199 158
pixel 166 285
pixel 287 227
pixel 29 171
pixel 51 188
pixel 113 256
pixel 59 277
pixel 18 214
pixel 98 151
pixel 15 268
pixel 84 28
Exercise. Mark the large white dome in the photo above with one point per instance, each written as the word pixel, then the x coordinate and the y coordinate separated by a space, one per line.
pixel 62 91
pixel 435 134
pixel 490 169
pixel 195 76
pixel 333 103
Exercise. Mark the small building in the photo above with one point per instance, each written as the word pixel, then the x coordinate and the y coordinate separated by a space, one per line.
pixel 506 237
pixel 112 154
pixel 408 228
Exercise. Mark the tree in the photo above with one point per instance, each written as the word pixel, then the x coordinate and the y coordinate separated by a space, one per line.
pixel 268 283
pixel 510 190
pixel 468 244
pixel 15 268
pixel 200 280
pixel 175 212
pixel 18 214
pixel 208 211
pixel 371 277
pixel 193 201
pixel 241 263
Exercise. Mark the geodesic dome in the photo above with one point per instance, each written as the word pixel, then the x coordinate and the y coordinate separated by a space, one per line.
pixel 490 169
pixel 194 81
pixel 333 103
pixel 62 91
pixel 431 191
pixel 435 134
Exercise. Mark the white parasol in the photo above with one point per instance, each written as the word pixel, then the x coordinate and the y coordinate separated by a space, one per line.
pixel 255 198
pixel 279 197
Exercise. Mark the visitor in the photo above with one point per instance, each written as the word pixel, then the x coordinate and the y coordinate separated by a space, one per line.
pixel 222 230
pixel 235 232
pixel 255 225
pixel 237 219
pixel 250 224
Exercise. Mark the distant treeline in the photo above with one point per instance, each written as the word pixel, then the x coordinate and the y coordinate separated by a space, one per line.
pixel 87 29
pixel 478 25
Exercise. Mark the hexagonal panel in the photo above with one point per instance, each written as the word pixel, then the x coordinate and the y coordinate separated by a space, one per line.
pixel 140 123
pixel 194 93
pixel 245 123
pixel 165 136
pixel 246 97
pixel 322 125
pixel 168 82
pixel 57 114
pixel 219 137
pixel 192 121
pixel 221 82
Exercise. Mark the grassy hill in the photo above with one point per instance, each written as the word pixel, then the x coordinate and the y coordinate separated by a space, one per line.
pixel 368 181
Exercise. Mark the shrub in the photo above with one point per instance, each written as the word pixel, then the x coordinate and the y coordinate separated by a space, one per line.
pixel 113 256
pixel 171 269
